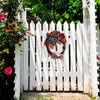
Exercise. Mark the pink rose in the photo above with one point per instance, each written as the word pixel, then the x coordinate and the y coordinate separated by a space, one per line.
pixel 8 70
pixel 2 16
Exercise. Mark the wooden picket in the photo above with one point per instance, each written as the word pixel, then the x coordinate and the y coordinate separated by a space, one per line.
pixel 66 58
pixel 45 58
pixel 32 56
pixel 41 72
pixel 79 58
pixel 26 64
pixel 72 55
pixel 52 65
pixel 59 63
pixel 38 56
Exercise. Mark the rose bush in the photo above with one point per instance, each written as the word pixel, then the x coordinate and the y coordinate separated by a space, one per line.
pixel 11 32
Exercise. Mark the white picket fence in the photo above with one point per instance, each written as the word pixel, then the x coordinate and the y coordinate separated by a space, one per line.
pixel 37 71
pixel 42 73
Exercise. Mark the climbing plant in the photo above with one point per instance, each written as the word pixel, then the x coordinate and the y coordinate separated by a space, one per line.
pixel 11 32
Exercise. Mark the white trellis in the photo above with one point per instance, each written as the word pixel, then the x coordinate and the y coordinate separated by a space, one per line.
pixel 89 19
pixel 90 84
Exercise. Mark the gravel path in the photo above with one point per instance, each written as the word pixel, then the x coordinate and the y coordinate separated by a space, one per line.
pixel 56 95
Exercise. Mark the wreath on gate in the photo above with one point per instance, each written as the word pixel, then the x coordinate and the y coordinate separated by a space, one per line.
pixel 52 39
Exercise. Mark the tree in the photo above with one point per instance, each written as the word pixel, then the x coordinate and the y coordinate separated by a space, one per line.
pixel 63 10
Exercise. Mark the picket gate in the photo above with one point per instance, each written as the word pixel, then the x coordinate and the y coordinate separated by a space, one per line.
pixel 42 73
pixel 36 71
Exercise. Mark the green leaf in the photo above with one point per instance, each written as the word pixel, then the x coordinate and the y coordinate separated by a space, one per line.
pixel 98 1
pixel 71 1
pixel 0 24
pixel 61 20
pixel 5 0
pixel 57 16
pixel 74 11
pixel 0 5
pixel 21 27
pixel 3 29
pixel 66 15
pixel 76 21
pixel 70 7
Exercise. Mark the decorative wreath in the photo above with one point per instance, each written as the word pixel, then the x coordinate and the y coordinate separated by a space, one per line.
pixel 52 39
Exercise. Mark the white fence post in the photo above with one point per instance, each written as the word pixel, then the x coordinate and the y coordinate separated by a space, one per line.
pixel 21 69
pixel 17 72
pixel 94 83
pixel 25 53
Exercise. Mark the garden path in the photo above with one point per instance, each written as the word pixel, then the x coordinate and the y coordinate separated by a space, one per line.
pixel 55 95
